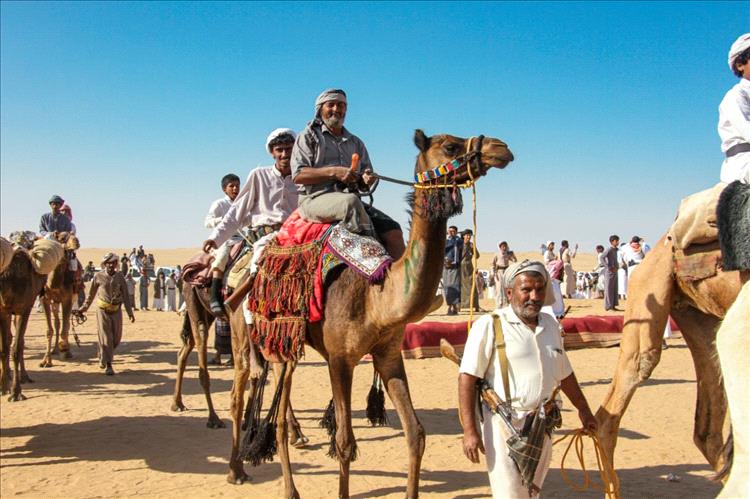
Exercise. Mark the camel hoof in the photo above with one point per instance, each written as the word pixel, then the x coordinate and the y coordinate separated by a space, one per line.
pixel 238 478
pixel 25 379
pixel 66 354
pixel 18 397
pixel 178 407
pixel 300 442
pixel 46 363
pixel 214 422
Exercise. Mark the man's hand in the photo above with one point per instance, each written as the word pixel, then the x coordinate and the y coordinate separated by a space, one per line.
pixel 132 318
pixel 368 177
pixel 472 445
pixel 208 245
pixel 83 309
pixel 588 421
pixel 346 175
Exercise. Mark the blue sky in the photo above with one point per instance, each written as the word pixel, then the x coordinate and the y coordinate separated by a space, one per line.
pixel 134 111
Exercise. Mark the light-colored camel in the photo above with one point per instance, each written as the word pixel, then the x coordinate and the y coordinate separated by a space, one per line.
pixel 655 293
pixel 361 319
pixel 19 287
pixel 196 324
pixel 59 292
pixel 734 352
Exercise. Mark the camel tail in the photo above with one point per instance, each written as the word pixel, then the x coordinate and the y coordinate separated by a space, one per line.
pixel 727 452
pixel 187 330
pixel 375 412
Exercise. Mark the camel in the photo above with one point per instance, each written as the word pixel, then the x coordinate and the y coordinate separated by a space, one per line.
pixel 732 345
pixel 361 319
pixel 195 327
pixel 654 293
pixel 59 291
pixel 19 287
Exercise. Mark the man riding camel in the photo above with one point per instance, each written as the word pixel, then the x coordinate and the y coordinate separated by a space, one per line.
pixel 55 221
pixel 268 197
pixel 734 116
pixel 322 167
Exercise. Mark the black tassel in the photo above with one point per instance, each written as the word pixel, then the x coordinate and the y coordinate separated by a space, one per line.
pixel 263 446
pixel 328 421
pixel 376 403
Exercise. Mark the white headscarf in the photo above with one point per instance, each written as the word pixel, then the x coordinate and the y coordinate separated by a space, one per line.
pixel 517 268
pixel 739 46
pixel 328 95
pixel 278 133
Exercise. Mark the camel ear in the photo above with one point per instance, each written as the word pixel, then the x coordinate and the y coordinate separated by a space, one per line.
pixel 421 140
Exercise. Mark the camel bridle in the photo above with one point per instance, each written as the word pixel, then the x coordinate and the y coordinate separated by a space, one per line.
pixel 444 176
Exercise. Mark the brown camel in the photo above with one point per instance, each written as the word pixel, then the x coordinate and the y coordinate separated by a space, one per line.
pixel 654 293
pixel 59 291
pixel 361 319
pixel 195 327
pixel 19 287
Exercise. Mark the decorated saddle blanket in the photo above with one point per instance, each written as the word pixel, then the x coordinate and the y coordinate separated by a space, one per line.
pixel 289 288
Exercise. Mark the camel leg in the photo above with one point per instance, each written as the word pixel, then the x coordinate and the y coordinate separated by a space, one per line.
pixel 296 437
pixel 649 302
pixel 22 322
pixel 17 351
pixel 67 309
pixel 5 331
pixel 390 366
pixel 699 331
pixel 47 360
pixel 282 436
pixel 733 348
pixel 237 475
pixel 182 358
pixel 341 374
pixel 213 419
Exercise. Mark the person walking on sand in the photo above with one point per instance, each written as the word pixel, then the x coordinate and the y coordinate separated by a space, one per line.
pixel 130 282
pixel 452 270
pixel 159 287
pixel 171 286
pixel 536 367
pixel 111 293
pixel 468 299
pixel 610 274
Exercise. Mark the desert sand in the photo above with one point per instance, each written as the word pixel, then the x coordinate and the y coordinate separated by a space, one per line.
pixel 83 434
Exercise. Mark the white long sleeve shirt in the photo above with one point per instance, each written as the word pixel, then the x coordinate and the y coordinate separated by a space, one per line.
pixel 734 128
pixel 267 198
pixel 216 212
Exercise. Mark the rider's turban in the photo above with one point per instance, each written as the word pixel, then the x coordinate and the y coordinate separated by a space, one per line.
pixel 740 45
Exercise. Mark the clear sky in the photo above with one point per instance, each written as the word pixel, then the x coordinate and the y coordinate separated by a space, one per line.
pixel 133 111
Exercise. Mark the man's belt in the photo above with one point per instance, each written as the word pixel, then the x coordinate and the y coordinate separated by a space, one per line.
pixel 256 233
pixel 108 307
pixel 737 148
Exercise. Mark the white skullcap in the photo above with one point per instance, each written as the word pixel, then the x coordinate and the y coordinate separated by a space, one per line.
pixel 739 46
pixel 278 133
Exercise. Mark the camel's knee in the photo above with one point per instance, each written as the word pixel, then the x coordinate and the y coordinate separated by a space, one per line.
pixel 346 446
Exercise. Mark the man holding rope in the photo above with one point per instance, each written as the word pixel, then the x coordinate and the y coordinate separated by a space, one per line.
pixel 530 350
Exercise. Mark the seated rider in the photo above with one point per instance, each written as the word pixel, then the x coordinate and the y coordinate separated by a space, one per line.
pixel 230 184
pixel 51 224
pixel 265 202
pixel 321 166
pixel 734 116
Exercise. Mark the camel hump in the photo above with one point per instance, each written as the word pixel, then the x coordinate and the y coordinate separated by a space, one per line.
pixel 733 219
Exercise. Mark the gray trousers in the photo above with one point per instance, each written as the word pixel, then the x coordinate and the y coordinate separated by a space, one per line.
pixel 335 206
pixel 610 289
pixel 109 329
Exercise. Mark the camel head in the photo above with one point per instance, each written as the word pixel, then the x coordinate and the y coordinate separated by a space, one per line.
pixel 445 162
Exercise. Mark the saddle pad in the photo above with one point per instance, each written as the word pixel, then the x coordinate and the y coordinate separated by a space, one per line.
pixel 696 218
pixel 364 254
pixel 698 262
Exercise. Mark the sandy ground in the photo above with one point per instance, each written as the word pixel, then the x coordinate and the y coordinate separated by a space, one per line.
pixel 83 434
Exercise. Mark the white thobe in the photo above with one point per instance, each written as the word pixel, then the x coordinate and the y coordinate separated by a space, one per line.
pixel 734 129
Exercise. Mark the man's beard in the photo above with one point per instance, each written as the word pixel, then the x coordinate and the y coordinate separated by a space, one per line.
pixel 334 122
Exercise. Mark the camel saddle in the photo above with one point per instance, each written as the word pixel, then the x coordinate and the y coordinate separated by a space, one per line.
pixel 197 271
pixel 288 291
pixel 733 217
pixel 696 218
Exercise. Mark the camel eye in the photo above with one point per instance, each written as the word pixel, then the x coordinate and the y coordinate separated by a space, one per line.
pixel 451 149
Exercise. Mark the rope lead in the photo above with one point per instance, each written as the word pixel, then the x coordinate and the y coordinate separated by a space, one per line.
pixel 611 487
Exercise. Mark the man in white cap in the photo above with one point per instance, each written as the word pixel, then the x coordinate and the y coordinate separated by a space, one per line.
pixel 322 166
pixel 734 116
pixel 536 365
pixel 111 293
pixel 267 199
